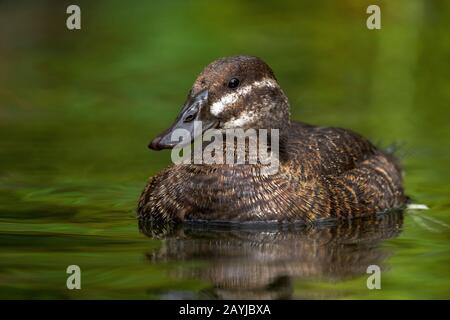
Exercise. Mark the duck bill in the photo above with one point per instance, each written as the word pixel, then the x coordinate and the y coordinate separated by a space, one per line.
pixel 187 126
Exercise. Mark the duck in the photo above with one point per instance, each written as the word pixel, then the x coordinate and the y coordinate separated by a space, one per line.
pixel 323 173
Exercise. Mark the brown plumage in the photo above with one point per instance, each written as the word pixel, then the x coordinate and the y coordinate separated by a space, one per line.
pixel 324 172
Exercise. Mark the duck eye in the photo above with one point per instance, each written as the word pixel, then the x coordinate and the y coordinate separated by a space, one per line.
pixel 233 83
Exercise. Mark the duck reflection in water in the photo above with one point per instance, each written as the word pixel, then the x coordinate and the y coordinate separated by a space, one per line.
pixel 261 262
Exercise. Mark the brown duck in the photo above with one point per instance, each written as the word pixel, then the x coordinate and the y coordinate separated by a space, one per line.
pixel 324 173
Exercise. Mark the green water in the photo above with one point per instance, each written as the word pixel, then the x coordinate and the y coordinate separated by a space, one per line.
pixel 77 109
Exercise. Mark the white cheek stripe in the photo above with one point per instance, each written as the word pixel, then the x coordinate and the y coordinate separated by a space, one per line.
pixel 229 99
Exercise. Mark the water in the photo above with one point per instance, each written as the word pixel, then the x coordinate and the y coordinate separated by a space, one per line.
pixel 77 110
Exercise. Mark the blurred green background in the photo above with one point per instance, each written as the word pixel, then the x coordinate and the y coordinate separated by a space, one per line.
pixel 77 109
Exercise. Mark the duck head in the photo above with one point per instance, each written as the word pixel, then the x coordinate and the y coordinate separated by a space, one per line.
pixel 238 92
